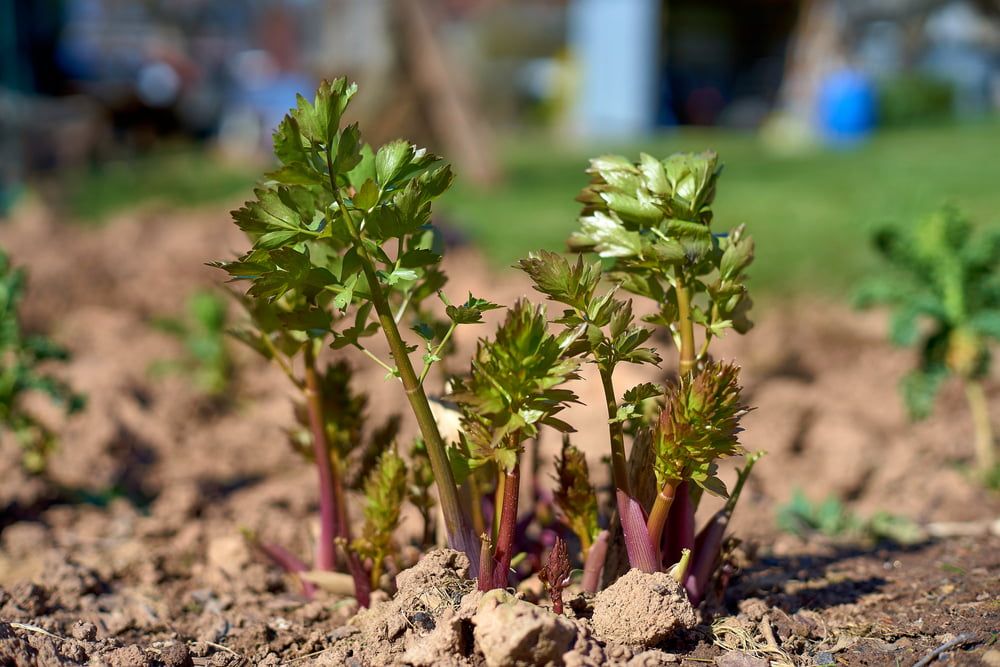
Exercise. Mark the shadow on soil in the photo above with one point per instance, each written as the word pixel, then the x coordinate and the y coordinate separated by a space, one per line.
pixel 793 583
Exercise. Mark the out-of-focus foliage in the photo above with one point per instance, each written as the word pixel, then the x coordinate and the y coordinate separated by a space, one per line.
pixel 20 357
pixel 908 99
pixel 800 516
pixel 203 333
pixel 943 286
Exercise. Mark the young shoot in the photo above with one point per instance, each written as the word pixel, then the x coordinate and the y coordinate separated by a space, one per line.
pixel 343 249
pixel 513 388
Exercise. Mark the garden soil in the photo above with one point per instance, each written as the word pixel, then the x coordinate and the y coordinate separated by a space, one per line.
pixel 132 550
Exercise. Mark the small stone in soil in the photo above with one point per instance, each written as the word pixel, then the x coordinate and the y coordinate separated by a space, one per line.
pixel 84 631
pixel 176 655
pixel 737 659
pixel 512 633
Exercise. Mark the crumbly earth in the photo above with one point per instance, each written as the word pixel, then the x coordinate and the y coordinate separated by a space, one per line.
pixel 642 609
pixel 130 552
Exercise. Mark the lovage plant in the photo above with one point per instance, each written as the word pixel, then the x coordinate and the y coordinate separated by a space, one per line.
pixel 650 222
pixel 342 249
pixel 20 357
pixel 512 390
pixel 946 276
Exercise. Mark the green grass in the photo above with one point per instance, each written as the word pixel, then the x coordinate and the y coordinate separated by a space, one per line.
pixel 811 214
pixel 179 177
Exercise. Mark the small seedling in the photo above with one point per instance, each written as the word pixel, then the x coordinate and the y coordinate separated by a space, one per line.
pixel 20 356
pixel 203 333
pixel 512 390
pixel 801 517
pixel 385 491
pixel 575 496
pixel 555 574
pixel 944 288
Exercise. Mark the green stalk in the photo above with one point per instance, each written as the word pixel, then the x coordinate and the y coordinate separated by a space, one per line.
pixel 461 537
pixel 985 454
pixel 619 463
pixel 685 324
pixel 661 510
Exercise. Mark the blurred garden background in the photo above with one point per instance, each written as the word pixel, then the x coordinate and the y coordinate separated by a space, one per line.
pixel 831 116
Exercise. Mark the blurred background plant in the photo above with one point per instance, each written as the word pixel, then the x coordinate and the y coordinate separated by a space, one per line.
pixel 21 374
pixel 203 332
pixel 830 517
pixel 943 284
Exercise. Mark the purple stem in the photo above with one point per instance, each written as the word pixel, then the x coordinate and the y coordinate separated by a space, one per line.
pixel 708 544
pixel 641 553
pixel 508 524
pixel 707 547
pixel 680 525
pixel 595 562
pixel 288 562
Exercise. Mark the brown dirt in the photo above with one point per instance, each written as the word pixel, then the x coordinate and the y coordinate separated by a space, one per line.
pixel 130 553
pixel 642 609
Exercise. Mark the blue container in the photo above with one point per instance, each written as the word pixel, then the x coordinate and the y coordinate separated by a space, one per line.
pixel 846 107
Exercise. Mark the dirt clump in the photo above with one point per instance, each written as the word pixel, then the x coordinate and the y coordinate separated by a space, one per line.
pixel 513 633
pixel 642 609
pixel 426 620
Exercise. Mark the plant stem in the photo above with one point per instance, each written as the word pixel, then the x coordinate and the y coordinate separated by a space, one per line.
pixel 330 510
pixel 985 454
pixel 332 503
pixel 708 543
pixel 486 563
pixel 619 464
pixel 461 537
pixel 476 497
pixel 685 324
pixel 508 523
pixel 437 350
pixel 594 562
pixel 661 510
pixel 680 524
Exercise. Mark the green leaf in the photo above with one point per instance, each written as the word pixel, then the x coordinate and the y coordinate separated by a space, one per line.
pixel 391 159
pixel 608 236
pixel 367 196
pixel 553 276
pixel 470 312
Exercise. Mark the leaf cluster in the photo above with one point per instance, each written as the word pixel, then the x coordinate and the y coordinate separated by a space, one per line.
pixel 333 219
pixel 944 290
pixel 514 386
pixel 651 221
pixel 20 357
pixel 602 326
pixel 699 423
pixel 385 491
pixel 575 496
